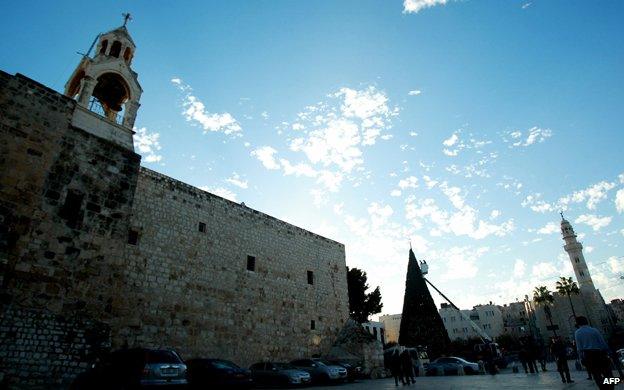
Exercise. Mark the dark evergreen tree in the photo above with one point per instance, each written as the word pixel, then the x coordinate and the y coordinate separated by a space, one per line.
pixel 421 324
pixel 362 304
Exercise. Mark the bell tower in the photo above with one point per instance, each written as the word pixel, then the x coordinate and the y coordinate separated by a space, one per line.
pixel 575 252
pixel 105 84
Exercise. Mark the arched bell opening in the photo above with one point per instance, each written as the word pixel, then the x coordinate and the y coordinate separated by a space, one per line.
pixel 127 55
pixel 74 85
pixel 110 93
pixel 115 49
pixel 104 46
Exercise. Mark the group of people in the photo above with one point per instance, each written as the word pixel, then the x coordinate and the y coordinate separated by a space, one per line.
pixel 591 347
pixel 402 366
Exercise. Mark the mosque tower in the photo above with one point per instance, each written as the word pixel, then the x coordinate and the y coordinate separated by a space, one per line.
pixel 575 252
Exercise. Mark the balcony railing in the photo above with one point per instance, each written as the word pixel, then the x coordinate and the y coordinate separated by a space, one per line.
pixel 96 107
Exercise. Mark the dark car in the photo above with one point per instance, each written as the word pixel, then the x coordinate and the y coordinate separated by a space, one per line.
pixel 134 368
pixel 279 374
pixel 217 372
pixel 354 370
pixel 441 368
pixel 320 370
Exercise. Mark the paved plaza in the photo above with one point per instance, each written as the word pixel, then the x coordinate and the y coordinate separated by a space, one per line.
pixel 507 380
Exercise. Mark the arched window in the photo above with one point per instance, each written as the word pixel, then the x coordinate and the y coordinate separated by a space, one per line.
pixel 115 49
pixel 104 46
pixel 112 92
pixel 127 55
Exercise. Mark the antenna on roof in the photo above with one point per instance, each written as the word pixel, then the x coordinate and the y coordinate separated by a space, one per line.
pixel 90 47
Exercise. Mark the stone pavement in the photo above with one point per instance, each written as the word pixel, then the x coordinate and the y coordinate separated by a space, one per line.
pixel 544 380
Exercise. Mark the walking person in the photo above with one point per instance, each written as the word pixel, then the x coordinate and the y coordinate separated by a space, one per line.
pixel 395 366
pixel 531 356
pixel 523 355
pixel 593 351
pixel 560 352
pixel 407 367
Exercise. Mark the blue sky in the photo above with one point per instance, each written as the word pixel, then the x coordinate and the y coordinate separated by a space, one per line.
pixel 464 126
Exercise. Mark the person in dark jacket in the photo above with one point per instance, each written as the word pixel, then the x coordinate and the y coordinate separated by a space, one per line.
pixel 395 367
pixel 560 352
pixel 407 367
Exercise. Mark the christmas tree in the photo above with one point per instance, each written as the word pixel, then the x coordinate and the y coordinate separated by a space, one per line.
pixel 421 324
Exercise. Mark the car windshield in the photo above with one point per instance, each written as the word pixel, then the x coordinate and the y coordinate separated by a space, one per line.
pixel 284 366
pixel 162 356
pixel 224 364
pixel 322 362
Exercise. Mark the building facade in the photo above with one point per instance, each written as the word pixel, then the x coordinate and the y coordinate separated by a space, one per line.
pixel 617 308
pixel 97 252
pixel 377 330
pixel 392 326
pixel 459 323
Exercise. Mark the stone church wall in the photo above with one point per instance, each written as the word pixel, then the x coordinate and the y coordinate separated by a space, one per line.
pixel 65 199
pixel 193 290
pixel 72 284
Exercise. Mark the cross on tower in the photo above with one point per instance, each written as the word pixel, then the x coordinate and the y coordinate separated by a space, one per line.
pixel 127 17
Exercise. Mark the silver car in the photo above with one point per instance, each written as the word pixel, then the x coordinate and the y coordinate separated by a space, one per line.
pixel 272 373
pixel 321 370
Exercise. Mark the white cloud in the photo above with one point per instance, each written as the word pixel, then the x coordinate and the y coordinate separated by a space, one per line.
pixel 413 134
pixel 533 135
pixel 462 222
pixel 550 228
pixel 526 5
pixel 236 180
pixel 495 214
pixel 220 191
pixel 616 264
pixel 461 262
pixel 266 156
pixel 415 6
pixel 452 140
pixel 408 182
pixel 414 92
pixel 519 268
pixel 593 194
pixel 544 270
pixel 395 193
pixel 300 169
pixel 595 222
pixel 195 111
pixel 147 144
pixel 619 201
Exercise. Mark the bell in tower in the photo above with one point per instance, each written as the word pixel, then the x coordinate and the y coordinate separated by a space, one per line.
pixel 106 84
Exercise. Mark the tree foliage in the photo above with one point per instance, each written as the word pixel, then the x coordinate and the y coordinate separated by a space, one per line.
pixel 361 303
pixel 543 296
pixel 568 287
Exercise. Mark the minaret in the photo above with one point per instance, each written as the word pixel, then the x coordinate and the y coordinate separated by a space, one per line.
pixel 575 251
pixel 106 84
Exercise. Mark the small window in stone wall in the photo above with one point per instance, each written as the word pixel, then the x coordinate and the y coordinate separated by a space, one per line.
pixel 71 211
pixel 251 263
pixel 310 277
pixel 133 237
pixel 202 227
pixel 312 324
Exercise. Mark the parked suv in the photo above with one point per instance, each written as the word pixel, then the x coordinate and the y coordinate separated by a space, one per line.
pixel 321 370
pixel 134 369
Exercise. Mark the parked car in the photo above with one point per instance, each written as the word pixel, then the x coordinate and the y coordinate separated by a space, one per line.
pixel 620 355
pixel 217 372
pixel 441 368
pixel 134 369
pixel 354 371
pixel 469 367
pixel 278 374
pixel 321 371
